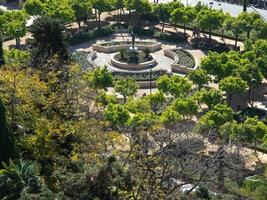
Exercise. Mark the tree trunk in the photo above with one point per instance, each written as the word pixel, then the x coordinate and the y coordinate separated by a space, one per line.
pixel 95 15
pixel 229 99
pixel 244 5
pixel 79 25
pixel 175 28
pixel 184 31
pixel 209 35
pixel 163 24
pixel 99 21
pixel 139 20
pixel 222 33
pixel 248 34
pixel 124 99
pixel 236 37
pixel 2 60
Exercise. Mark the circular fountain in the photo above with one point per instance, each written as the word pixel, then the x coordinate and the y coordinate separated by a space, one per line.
pixel 143 60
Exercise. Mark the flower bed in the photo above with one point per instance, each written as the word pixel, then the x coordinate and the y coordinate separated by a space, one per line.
pixel 185 58
pixel 183 61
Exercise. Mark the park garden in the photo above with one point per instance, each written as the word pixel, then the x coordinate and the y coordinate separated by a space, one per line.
pixel 129 99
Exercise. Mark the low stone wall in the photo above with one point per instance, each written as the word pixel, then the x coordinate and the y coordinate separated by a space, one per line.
pixel 171 55
pixel 131 66
pixel 146 84
pixel 177 68
pixel 110 49
pixel 91 56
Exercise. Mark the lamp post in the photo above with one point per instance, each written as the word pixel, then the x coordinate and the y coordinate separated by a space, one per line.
pixel 150 77
pixel 17 39
pixel 252 84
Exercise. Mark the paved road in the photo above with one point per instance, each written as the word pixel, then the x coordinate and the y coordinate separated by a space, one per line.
pixel 232 9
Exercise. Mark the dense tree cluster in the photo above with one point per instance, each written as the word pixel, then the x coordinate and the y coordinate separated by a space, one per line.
pixel 65 135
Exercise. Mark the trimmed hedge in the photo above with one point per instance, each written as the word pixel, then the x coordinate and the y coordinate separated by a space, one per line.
pixel 110 29
pixel 159 35
pixel 204 44
pixel 83 37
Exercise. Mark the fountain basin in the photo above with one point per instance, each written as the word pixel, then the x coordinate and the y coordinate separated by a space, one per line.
pixel 111 47
pixel 132 66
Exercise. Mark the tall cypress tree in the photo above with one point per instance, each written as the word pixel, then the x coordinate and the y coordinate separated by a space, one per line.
pixel 2 61
pixel 7 147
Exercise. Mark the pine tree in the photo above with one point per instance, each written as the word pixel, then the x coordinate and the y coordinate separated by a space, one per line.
pixel 2 61
pixel 7 148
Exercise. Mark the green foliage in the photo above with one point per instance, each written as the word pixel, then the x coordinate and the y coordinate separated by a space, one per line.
pixel 126 87
pixel 100 78
pixel 146 120
pixel 18 176
pixel 161 11
pixel 187 107
pixel 2 59
pixel 104 99
pixel 82 9
pixel 48 41
pixel 210 19
pixel 86 36
pixel 235 26
pixel 13 23
pixel 255 186
pixel 6 140
pixel 210 97
pixel 170 117
pixel 222 65
pixel 138 106
pixel 183 15
pixel 116 114
pixel 214 118
pixel 59 9
pixel 34 7
pixel 232 85
pixel 177 86
pixel 156 100
pixel 249 131
pixel 199 77
pixel 18 57
pixel 247 21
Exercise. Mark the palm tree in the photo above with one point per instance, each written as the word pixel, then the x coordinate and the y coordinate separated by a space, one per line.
pixel 17 176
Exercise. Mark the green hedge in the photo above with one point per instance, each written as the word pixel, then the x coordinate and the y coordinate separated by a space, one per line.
pixel 83 37
pixel 159 35
pixel 110 29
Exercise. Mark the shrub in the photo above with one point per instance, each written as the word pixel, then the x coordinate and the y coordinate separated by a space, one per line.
pixel 146 52
pixel 204 44
pixel 169 37
pixel 100 32
pixel 122 53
